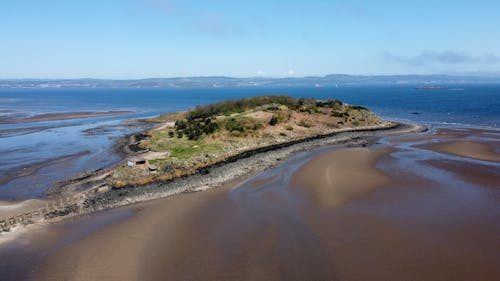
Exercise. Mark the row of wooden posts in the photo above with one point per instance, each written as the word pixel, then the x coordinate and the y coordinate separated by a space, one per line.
pixel 29 217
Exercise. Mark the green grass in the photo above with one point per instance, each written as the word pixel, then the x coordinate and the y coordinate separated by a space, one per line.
pixel 189 149
pixel 159 161
pixel 233 120
pixel 182 148
pixel 171 116
pixel 241 123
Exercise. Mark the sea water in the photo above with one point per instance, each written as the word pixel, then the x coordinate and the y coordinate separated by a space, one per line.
pixel 53 150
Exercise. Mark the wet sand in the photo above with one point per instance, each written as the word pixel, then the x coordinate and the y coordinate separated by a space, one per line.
pixel 388 212
pixel 441 134
pixel 351 175
pixel 60 116
pixel 25 131
pixel 482 175
pixel 8 208
pixel 466 149
pixel 32 169
pixel 136 242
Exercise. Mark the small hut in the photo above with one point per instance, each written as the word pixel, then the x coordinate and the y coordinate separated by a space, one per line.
pixel 136 162
pixel 152 168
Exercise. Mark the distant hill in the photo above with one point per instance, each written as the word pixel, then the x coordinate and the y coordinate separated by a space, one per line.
pixel 231 82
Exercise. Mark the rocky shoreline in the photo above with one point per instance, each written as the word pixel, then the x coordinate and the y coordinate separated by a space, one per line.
pixel 238 166
pixel 100 197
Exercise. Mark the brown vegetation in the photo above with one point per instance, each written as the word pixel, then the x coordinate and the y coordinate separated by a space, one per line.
pixel 211 133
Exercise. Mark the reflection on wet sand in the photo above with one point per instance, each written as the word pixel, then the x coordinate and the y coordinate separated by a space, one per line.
pixel 29 171
pixel 478 174
pixel 389 212
pixel 339 177
pixel 5 133
pixel 466 149
pixel 58 116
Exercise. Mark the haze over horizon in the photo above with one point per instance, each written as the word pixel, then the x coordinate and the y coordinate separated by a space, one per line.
pixel 136 39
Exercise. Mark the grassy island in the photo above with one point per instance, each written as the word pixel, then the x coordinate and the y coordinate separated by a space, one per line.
pixel 183 143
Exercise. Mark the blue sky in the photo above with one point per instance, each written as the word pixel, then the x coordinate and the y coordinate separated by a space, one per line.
pixel 275 38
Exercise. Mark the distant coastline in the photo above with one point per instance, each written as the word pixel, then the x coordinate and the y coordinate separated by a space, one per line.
pixel 430 88
pixel 333 80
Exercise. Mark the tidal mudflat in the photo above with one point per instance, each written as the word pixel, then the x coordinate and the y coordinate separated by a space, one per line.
pixel 397 210
pixel 59 116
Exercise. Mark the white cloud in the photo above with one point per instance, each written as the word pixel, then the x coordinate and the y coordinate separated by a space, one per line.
pixel 290 72
pixel 261 73
pixel 446 57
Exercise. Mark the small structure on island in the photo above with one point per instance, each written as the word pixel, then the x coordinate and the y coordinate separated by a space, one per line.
pixel 152 169
pixel 136 162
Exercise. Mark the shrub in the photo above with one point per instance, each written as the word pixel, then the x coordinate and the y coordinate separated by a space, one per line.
pixel 193 133
pixel 357 107
pixel 233 125
pixel 231 106
pixel 171 134
pixel 238 128
pixel 181 125
pixel 237 134
pixel 274 101
pixel 316 110
pixel 210 128
pixel 258 126
pixel 338 114
pixel 272 108
pixel 331 103
pixel 273 121
pixel 304 124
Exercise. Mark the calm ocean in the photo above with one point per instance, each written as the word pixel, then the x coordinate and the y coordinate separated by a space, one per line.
pixel 29 146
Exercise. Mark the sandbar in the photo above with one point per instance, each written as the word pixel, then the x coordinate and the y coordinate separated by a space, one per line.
pixel 467 149
pixel 345 175
pixel 342 214
pixel 60 116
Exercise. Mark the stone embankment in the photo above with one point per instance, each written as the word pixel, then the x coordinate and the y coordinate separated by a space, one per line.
pixel 51 209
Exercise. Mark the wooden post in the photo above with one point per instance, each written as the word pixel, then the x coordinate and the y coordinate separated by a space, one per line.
pixel 28 216
pixel 3 225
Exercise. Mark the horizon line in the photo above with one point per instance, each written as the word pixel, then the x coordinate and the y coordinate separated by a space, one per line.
pixel 477 75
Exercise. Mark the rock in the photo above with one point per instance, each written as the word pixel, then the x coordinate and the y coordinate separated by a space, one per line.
pixel 103 189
